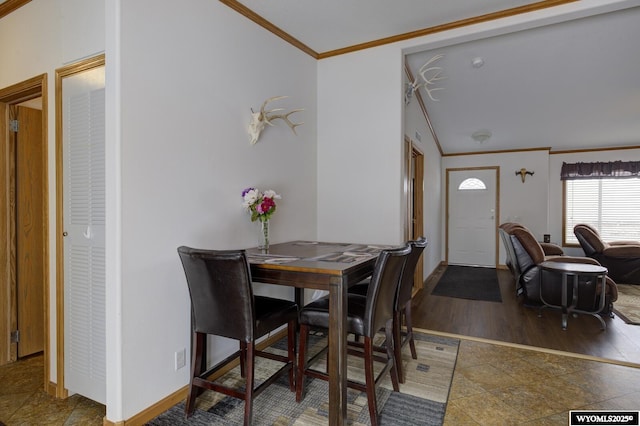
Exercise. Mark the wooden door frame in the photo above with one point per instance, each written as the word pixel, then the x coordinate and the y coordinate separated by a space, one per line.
pixel 414 202
pixel 61 73
pixel 497 208
pixel 32 88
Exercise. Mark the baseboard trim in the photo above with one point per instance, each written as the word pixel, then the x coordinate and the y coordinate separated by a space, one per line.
pixel 52 389
pixel 180 395
pixel 154 410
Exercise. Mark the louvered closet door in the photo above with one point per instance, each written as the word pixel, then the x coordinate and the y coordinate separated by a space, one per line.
pixel 84 245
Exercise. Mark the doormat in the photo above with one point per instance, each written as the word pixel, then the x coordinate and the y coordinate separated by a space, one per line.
pixel 423 395
pixel 469 282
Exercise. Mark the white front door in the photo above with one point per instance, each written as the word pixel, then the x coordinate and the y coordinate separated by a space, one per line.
pixel 472 216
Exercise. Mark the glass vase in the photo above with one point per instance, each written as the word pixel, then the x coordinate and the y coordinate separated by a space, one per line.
pixel 263 236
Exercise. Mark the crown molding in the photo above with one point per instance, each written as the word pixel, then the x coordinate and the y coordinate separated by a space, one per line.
pixel 10 5
pixel 243 10
pixel 248 13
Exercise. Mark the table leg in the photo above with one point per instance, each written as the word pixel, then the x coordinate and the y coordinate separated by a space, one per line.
pixel 564 301
pixel 601 305
pixel 299 297
pixel 574 299
pixel 337 354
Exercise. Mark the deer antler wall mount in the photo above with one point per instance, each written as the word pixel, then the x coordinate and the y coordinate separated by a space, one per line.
pixel 263 117
pixel 523 173
pixel 427 77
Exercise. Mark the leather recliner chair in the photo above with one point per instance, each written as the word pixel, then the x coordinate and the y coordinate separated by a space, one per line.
pixel 621 258
pixel 528 254
pixel 505 230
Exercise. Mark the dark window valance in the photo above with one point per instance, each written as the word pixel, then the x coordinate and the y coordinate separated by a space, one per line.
pixel 612 169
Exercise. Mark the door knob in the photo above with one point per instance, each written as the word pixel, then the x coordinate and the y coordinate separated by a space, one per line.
pixel 65 233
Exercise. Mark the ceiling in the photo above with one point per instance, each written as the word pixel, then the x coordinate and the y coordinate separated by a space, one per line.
pixel 558 74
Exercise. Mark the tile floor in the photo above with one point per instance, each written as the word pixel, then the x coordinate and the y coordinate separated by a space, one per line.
pixel 492 385
pixel 24 402
pixel 505 385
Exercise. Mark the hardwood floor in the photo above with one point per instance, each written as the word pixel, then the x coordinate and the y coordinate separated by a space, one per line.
pixel 512 322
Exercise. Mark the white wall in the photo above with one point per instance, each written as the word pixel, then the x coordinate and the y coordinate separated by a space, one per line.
pixel 360 140
pixel 37 39
pixel 189 76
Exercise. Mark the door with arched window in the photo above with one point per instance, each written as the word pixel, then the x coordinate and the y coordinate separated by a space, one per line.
pixel 472 216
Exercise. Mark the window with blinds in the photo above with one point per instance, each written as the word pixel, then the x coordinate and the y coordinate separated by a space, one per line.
pixel 612 206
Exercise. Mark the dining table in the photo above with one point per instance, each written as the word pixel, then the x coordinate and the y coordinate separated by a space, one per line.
pixel 329 266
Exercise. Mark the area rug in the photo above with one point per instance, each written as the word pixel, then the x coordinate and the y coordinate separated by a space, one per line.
pixel 422 398
pixel 469 282
pixel 628 304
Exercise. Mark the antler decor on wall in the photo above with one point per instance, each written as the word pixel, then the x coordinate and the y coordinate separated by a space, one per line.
pixel 261 118
pixel 429 75
pixel 523 173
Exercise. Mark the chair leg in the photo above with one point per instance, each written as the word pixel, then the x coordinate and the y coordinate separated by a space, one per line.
pixel 370 380
pixel 397 343
pixel 199 342
pixel 243 357
pixel 407 320
pixel 291 351
pixel 302 349
pixel 391 355
pixel 248 395
pixel 326 360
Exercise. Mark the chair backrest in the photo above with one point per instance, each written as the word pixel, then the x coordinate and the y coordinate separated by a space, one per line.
pixel 221 294
pixel 529 243
pixel 511 261
pixel 381 296
pixel 406 283
pixel 589 239
pixel 515 248
pixel 522 258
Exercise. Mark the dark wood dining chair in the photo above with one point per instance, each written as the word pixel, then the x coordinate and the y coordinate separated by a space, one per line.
pixel 402 307
pixel 366 315
pixel 223 304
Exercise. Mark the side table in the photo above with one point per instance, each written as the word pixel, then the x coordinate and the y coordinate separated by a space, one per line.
pixel 575 271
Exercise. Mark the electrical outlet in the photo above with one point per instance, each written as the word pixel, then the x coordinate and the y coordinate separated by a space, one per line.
pixel 180 358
